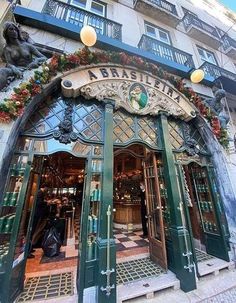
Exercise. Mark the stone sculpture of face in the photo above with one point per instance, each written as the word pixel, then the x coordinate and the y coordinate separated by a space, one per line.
pixel 12 32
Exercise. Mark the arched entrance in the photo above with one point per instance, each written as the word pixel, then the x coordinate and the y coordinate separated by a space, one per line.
pixel 90 130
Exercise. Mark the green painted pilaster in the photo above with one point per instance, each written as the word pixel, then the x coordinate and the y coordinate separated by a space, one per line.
pixel 180 245
pixel 107 257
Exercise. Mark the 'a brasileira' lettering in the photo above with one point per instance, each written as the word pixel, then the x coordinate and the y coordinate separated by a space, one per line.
pixel 97 74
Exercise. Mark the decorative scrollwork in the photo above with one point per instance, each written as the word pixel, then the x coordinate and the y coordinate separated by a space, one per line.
pixel 65 132
pixel 190 144
pixel 119 91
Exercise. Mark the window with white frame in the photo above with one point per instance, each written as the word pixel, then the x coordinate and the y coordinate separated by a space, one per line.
pixel 157 33
pixel 206 56
pixel 80 18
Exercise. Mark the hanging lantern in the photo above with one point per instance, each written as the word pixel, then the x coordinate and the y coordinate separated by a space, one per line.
pixel 88 35
pixel 197 76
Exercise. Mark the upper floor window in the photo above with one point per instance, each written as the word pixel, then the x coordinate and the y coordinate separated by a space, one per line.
pixel 157 33
pixel 96 7
pixel 206 56
pixel 79 17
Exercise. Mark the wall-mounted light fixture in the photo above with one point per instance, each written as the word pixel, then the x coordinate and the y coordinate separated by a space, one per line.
pixel 88 35
pixel 197 76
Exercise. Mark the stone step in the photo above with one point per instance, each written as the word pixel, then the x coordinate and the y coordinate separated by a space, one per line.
pixel 147 287
pixel 213 266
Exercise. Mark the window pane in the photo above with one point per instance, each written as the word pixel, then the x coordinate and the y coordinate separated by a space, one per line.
pixel 164 37
pixel 79 2
pixel 210 58
pixel 97 8
pixel 201 53
pixel 150 31
pixel 206 56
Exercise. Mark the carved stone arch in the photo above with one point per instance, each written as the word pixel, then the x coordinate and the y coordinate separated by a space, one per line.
pixel 116 82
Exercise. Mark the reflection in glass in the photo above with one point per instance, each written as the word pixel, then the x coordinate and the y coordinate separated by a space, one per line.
pixel 147 130
pixel 23 144
pixel 52 145
pixel 123 127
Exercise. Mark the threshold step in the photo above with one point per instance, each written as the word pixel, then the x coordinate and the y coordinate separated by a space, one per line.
pixel 147 287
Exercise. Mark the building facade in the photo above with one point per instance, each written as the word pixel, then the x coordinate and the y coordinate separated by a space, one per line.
pixel 95 122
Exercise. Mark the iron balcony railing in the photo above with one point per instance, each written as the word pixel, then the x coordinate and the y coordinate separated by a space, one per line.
pixel 216 71
pixel 190 19
pixel 166 51
pixel 163 4
pixel 79 17
pixel 228 42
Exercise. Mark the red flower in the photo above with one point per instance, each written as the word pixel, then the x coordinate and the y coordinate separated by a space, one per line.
pixel 73 59
pixel 5 117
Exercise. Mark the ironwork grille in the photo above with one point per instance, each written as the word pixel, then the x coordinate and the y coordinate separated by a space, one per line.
pixel 124 127
pixel 87 119
pixel 80 17
pixel 129 128
pixel 202 147
pixel 175 134
pixel 47 117
pixel 147 130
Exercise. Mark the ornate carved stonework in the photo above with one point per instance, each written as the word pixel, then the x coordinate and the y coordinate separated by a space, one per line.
pixel 137 91
pixel 119 92
pixel 65 132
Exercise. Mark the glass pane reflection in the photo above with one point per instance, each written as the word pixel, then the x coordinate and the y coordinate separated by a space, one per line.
pixel 23 144
pixel 52 145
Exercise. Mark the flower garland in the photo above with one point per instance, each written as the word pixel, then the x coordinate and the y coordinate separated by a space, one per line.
pixel 14 106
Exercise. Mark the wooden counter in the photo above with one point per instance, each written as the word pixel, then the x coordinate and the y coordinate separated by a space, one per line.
pixel 127 213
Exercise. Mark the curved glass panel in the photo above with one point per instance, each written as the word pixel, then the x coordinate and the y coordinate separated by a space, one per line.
pixel 51 146
pixel 47 116
pixel 87 118
pixel 179 134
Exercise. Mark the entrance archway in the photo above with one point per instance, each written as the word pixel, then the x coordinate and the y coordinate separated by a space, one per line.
pixel 91 129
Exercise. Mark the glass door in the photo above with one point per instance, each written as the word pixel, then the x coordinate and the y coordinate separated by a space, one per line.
pixel 89 226
pixel 13 228
pixel 154 211
pixel 205 214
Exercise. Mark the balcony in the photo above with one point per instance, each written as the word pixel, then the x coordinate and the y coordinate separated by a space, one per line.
pixel 79 17
pixel 201 31
pixel 229 46
pixel 227 78
pixel 165 51
pixel 160 10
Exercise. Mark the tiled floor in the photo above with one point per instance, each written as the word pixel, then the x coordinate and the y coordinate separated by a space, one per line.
pixel 47 287
pixel 128 240
pixel 136 270
pixel 202 256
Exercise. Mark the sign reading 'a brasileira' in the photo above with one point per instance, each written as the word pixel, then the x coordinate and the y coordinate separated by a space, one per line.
pixel 137 92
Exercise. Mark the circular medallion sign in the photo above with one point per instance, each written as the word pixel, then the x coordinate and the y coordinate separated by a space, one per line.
pixel 138 97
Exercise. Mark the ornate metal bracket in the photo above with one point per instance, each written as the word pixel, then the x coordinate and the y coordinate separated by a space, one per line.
pixel 65 132
pixel 108 271
pixel 108 287
pixel 190 144
pixel 188 253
